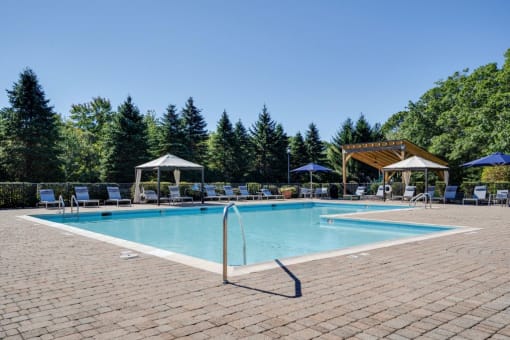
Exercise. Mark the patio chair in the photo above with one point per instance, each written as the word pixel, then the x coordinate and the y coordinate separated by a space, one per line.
pixel 243 190
pixel 501 197
pixel 380 193
pixel 450 193
pixel 114 196
pixel 47 198
pixel 360 192
pixel 230 192
pixel 267 194
pixel 408 193
pixel 82 196
pixel 479 195
pixel 210 191
pixel 151 195
pixel 175 195
pixel 320 193
pixel 305 192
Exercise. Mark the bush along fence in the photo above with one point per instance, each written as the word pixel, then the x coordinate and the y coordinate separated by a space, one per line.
pixel 26 195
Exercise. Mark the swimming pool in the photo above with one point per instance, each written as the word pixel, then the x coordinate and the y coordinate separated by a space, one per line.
pixel 272 231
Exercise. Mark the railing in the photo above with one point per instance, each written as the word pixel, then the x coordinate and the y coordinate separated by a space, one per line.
pixel 225 239
pixel 74 200
pixel 424 196
pixel 61 205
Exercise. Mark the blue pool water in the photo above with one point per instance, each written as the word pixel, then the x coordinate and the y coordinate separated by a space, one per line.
pixel 272 231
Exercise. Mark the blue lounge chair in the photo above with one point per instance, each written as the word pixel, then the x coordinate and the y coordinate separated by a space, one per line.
pixel 320 193
pixel 47 198
pixel 230 193
pixel 500 197
pixel 82 196
pixel 305 192
pixel 151 195
pixel 210 191
pixel 267 194
pixel 243 189
pixel 479 195
pixel 114 196
pixel 175 195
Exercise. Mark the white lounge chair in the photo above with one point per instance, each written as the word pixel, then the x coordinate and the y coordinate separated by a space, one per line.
pixel 175 195
pixel 407 195
pixel 320 192
pixel 380 193
pixel 501 197
pixel 82 196
pixel 151 195
pixel 479 195
pixel 267 194
pixel 47 197
pixel 243 190
pixel 305 192
pixel 114 196
pixel 360 192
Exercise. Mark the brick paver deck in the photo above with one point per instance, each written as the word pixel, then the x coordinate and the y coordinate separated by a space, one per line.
pixel 57 285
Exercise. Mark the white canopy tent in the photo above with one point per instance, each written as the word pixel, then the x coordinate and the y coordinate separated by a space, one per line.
pixel 415 163
pixel 167 162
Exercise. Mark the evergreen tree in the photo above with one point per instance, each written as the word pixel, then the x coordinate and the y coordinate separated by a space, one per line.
pixel 269 144
pixel 126 144
pixel 242 153
pixel 314 145
pixel 362 130
pixel 298 152
pixel 222 149
pixel 29 133
pixel 154 134
pixel 194 133
pixel 344 136
pixel 172 133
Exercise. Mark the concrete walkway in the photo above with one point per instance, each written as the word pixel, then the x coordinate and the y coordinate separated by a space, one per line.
pixel 58 285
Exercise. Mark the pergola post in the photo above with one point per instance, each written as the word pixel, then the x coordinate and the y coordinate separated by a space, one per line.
pixel 344 170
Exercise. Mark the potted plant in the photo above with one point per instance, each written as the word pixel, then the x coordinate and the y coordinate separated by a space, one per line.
pixel 288 191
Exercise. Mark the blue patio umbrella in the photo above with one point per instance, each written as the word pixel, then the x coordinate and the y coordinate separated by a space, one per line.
pixel 496 158
pixel 311 168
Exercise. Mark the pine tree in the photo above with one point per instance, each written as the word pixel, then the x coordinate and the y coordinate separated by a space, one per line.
pixel 172 133
pixel 221 155
pixel 29 133
pixel 345 135
pixel 126 144
pixel 154 134
pixel 269 144
pixel 242 153
pixel 298 152
pixel 194 133
pixel 314 145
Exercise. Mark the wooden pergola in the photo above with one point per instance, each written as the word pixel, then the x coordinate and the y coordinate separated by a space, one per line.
pixel 381 154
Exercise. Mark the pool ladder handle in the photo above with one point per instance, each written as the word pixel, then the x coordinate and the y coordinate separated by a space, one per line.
pixel 73 199
pixel 424 196
pixel 225 242
pixel 61 205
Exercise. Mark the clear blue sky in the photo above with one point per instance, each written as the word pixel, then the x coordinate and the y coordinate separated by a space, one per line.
pixel 308 61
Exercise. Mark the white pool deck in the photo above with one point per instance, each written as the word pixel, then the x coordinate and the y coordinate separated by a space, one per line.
pixel 55 283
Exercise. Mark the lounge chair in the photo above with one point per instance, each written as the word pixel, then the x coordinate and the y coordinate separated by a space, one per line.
pixel 151 195
pixel 114 196
pixel 230 192
pixel 379 194
pixel 210 191
pixel 450 193
pixel 305 192
pixel 500 197
pixel 479 195
pixel 47 198
pixel 175 195
pixel 320 193
pixel 82 196
pixel 360 192
pixel 408 193
pixel 267 194
pixel 243 190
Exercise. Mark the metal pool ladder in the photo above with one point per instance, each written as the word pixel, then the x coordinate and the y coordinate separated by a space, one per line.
pixel 225 239
pixel 73 199
pixel 424 196
pixel 61 205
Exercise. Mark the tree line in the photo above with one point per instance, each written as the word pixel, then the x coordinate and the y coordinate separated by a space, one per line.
pixel 461 118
